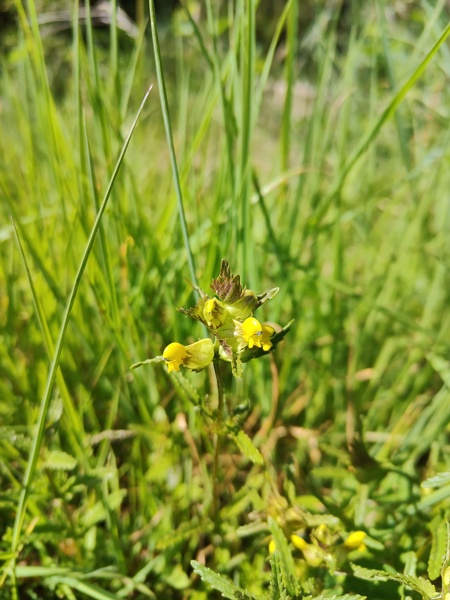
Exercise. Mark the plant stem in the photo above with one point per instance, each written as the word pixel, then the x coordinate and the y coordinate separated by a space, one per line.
pixel 220 394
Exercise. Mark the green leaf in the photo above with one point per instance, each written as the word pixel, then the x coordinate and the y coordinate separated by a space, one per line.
pixel 57 460
pixel 438 528
pixel 186 531
pixel 277 591
pixel 248 449
pixel 177 578
pixel 287 565
pixel 422 586
pixel 437 481
pixel 185 388
pixel 220 583
pixel 236 366
pixel 92 591
pixel 157 359
pixel 336 597
pixel 441 366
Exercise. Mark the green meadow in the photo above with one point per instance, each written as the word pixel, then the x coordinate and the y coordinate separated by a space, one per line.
pixel 313 154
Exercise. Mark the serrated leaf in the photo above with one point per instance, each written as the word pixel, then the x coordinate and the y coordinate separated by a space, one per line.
pixel 422 586
pixel 185 387
pixel 236 366
pixel 437 481
pixel 220 583
pixel 438 529
pixel 57 460
pixel 336 597
pixel 277 591
pixel 287 565
pixel 248 449
pixel 157 359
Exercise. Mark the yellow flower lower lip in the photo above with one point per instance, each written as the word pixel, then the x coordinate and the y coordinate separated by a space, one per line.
pixel 355 541
pixel 174 355
pixel 252 332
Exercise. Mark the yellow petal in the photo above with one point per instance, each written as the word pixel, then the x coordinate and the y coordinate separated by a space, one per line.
pixel 355 540
pixel 299 542
pixel 174 354
pixel 267 333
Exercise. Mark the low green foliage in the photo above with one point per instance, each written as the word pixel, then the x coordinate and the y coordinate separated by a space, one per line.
pixel 318 166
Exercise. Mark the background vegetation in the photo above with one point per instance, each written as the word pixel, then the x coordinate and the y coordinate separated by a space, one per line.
pixel 314 157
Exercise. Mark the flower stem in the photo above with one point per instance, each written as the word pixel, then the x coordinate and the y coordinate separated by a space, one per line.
pixel 216 482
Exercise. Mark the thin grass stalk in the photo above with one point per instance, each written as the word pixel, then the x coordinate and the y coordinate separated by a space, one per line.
pixel 45 402
pixel 113 57
pixel 286 125
pixel 168 129
pixel 228 123
pixel 75 431
pixel 372 134
pixel 262 79
pixel 103 239
pixel 399 120
pixel 96 88
pixel 248 66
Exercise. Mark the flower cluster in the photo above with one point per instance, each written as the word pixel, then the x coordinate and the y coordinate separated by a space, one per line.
pixel 229 316
pixel 324 548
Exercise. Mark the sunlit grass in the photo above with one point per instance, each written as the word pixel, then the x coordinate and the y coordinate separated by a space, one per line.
pixel 319 166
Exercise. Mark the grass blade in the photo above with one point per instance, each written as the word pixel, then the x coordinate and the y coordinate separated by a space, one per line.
pixel 168 129
pixel 45 402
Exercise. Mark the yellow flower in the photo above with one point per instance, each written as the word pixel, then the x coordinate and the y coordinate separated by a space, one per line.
pixel 251 332
pixel 174 354
pixel 196 356
pixel 267 333
pixel 272 546
pixel 355 541
pixel 214 313
pixel 312 554
pixel 299 542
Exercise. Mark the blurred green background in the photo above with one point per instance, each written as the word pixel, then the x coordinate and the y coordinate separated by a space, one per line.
pixel 312 142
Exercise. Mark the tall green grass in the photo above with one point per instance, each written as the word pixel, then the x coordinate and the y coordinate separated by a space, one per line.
pixel 315 161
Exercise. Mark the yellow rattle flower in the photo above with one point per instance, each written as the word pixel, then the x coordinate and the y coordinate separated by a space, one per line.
pixel 267 333
pixel 174 354
pixel 253 334
pixel 196 356
pixel 355 541
pixel 250 331
pixel 214 313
